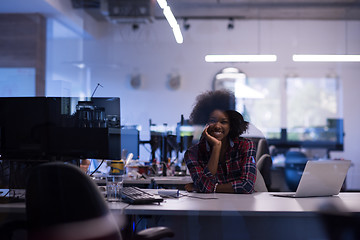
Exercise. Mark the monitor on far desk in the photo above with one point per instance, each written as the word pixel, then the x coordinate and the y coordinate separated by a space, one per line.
pixel 41 129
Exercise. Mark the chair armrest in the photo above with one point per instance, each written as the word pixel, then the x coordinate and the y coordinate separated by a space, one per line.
pixel 154 233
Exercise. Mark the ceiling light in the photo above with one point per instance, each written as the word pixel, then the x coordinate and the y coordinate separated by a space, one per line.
pixel 162 3
pixel 325 58
pixel 177 33
pixel 170 16
pixel 240 58
pixel 171 20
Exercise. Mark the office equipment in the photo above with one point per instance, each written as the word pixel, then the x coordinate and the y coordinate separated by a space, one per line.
pixel 135 195
pixel 12 195
pixel 169 193
pixel 321 178
pixel 62 202
pixel 44 128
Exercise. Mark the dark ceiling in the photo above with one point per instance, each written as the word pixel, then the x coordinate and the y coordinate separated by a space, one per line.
pixel 135 10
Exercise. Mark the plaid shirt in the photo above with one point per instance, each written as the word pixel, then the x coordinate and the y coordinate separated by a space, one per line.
pixel 239 167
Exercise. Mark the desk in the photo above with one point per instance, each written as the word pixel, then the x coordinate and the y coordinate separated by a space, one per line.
pixel 240 216
pixel 229 216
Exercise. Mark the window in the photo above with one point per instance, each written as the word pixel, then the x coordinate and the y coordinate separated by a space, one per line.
pixel 264 112
pixel 290 110
pixel 312 108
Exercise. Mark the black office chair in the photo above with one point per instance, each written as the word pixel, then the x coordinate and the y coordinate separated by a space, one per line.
pixel 339 224
pixel 62 202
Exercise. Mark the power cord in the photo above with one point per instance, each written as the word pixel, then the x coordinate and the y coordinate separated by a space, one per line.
pixel 102 161
pixel 204 198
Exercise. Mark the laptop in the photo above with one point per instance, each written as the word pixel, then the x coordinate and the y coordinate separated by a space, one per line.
pixel 320 178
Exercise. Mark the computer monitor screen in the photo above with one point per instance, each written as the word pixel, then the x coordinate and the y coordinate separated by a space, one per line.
pixel 45 128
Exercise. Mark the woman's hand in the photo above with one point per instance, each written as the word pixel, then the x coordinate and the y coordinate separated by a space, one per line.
pixel 189 187
pixel 211 140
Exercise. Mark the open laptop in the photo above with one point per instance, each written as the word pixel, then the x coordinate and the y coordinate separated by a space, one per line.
pixel 321 178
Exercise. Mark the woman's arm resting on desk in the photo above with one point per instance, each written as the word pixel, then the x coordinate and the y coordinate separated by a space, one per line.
pixel 204 180
pixel 225 188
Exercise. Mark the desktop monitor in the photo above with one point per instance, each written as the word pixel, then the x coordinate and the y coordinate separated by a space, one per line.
pixel 59 128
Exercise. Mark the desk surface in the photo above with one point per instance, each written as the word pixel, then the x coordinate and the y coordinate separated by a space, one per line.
pixel 230 216
pixel 244 204
pixel 226 204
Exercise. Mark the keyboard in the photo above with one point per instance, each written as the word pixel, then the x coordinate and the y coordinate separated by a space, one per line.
pixel 135 195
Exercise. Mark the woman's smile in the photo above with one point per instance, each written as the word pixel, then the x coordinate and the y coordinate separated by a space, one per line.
pixel 219 125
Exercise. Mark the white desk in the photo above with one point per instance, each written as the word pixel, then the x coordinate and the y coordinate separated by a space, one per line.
pixel 246 204
pixel 230 216
pixel 241 216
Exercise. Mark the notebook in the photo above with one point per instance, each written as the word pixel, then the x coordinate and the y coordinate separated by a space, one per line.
pixel 321 178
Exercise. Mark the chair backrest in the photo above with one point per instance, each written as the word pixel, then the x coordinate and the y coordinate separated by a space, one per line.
pixel 260 185
pixel 63 203
pixel 261 148
pixel 264 161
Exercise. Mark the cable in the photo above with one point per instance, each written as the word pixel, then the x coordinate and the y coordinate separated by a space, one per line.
pixel 136 224
pixel 97 168
pixel 7 193
pixel 204 198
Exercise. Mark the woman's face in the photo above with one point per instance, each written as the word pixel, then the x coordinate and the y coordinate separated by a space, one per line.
pixel 219 125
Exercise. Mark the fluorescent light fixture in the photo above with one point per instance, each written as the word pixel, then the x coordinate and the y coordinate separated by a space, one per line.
pixel 240 58
pixel 171 20
pixel 170 17
pixel 177 33
pixel 325 58
pixel 162 3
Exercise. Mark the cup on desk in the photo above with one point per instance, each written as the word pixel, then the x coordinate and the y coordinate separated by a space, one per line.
pixel 114 185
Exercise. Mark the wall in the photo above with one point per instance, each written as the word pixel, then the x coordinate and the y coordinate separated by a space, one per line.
pixel 152 52
pixel 23 45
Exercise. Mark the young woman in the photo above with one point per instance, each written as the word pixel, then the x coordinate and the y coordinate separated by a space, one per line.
pixel 222 161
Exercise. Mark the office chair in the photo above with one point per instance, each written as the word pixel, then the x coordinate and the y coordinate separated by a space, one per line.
pixel 260 185
pixel 62 202
pixel 264 161
pixel 339 224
